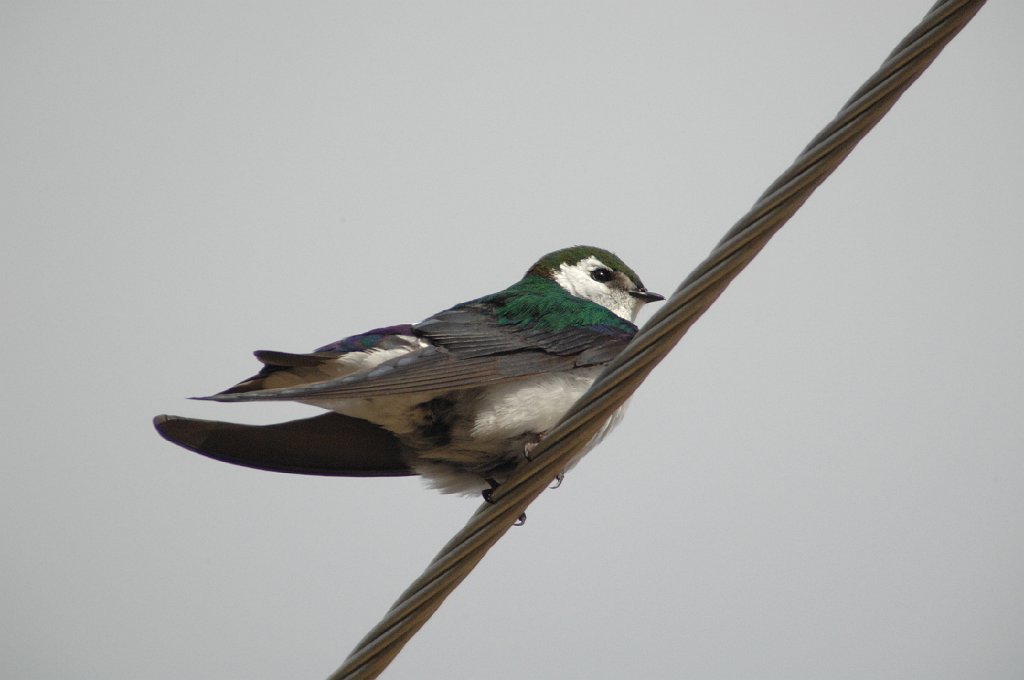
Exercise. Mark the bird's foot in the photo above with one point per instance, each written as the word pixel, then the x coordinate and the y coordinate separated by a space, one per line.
pixel 528 447
pixel 558 481
pixel 488 495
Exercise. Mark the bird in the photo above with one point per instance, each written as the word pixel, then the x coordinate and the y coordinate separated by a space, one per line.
pixel 460 398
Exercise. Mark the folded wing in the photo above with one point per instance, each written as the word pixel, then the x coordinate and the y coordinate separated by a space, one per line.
pixel 462 348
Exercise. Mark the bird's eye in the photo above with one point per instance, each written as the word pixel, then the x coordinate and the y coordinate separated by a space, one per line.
pixel 602 275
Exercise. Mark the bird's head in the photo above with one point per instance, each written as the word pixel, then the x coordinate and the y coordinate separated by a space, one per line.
pixel 597 275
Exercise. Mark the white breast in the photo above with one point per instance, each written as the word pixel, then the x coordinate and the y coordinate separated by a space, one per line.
pixel 533 404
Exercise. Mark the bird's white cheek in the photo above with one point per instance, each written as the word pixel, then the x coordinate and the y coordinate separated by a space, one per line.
pixel 576 280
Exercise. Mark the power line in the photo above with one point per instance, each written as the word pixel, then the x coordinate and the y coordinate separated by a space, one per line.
pixel 693 297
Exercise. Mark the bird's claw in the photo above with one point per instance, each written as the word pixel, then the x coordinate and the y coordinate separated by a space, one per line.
pixel 488 494
pixel 558 481
pixel 488 497
pixel 528 447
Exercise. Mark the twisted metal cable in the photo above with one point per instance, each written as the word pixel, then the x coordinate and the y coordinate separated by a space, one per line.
pixel 658 336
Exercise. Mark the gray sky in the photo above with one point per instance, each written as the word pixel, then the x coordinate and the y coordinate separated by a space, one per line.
pixel 823 480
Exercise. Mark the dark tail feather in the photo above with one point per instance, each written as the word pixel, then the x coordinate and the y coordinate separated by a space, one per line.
pixel 328 444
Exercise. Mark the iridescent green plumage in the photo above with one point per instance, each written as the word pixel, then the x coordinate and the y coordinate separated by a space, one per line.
pixel 540 302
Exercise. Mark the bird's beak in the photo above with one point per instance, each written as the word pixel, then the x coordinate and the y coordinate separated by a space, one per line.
pixel 646 295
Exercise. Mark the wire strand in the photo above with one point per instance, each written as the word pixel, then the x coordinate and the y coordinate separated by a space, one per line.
pixel 658 336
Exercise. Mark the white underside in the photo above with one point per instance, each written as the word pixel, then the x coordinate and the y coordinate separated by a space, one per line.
pixel 532 404
pixel 499 414
pixel 447 480
pixel 493 422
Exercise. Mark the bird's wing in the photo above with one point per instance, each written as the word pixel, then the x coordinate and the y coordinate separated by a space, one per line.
pixel 466 347
pixel 328 444
pixel 344 357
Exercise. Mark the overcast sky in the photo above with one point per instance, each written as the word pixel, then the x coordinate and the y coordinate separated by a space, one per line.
pixel 825 479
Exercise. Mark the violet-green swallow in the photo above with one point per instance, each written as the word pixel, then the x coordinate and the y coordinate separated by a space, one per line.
pixel 459 398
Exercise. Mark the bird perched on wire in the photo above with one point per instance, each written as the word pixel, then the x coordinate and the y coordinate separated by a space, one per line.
pixel 459 398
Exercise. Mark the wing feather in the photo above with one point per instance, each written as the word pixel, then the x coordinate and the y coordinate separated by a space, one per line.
pixel 465 347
